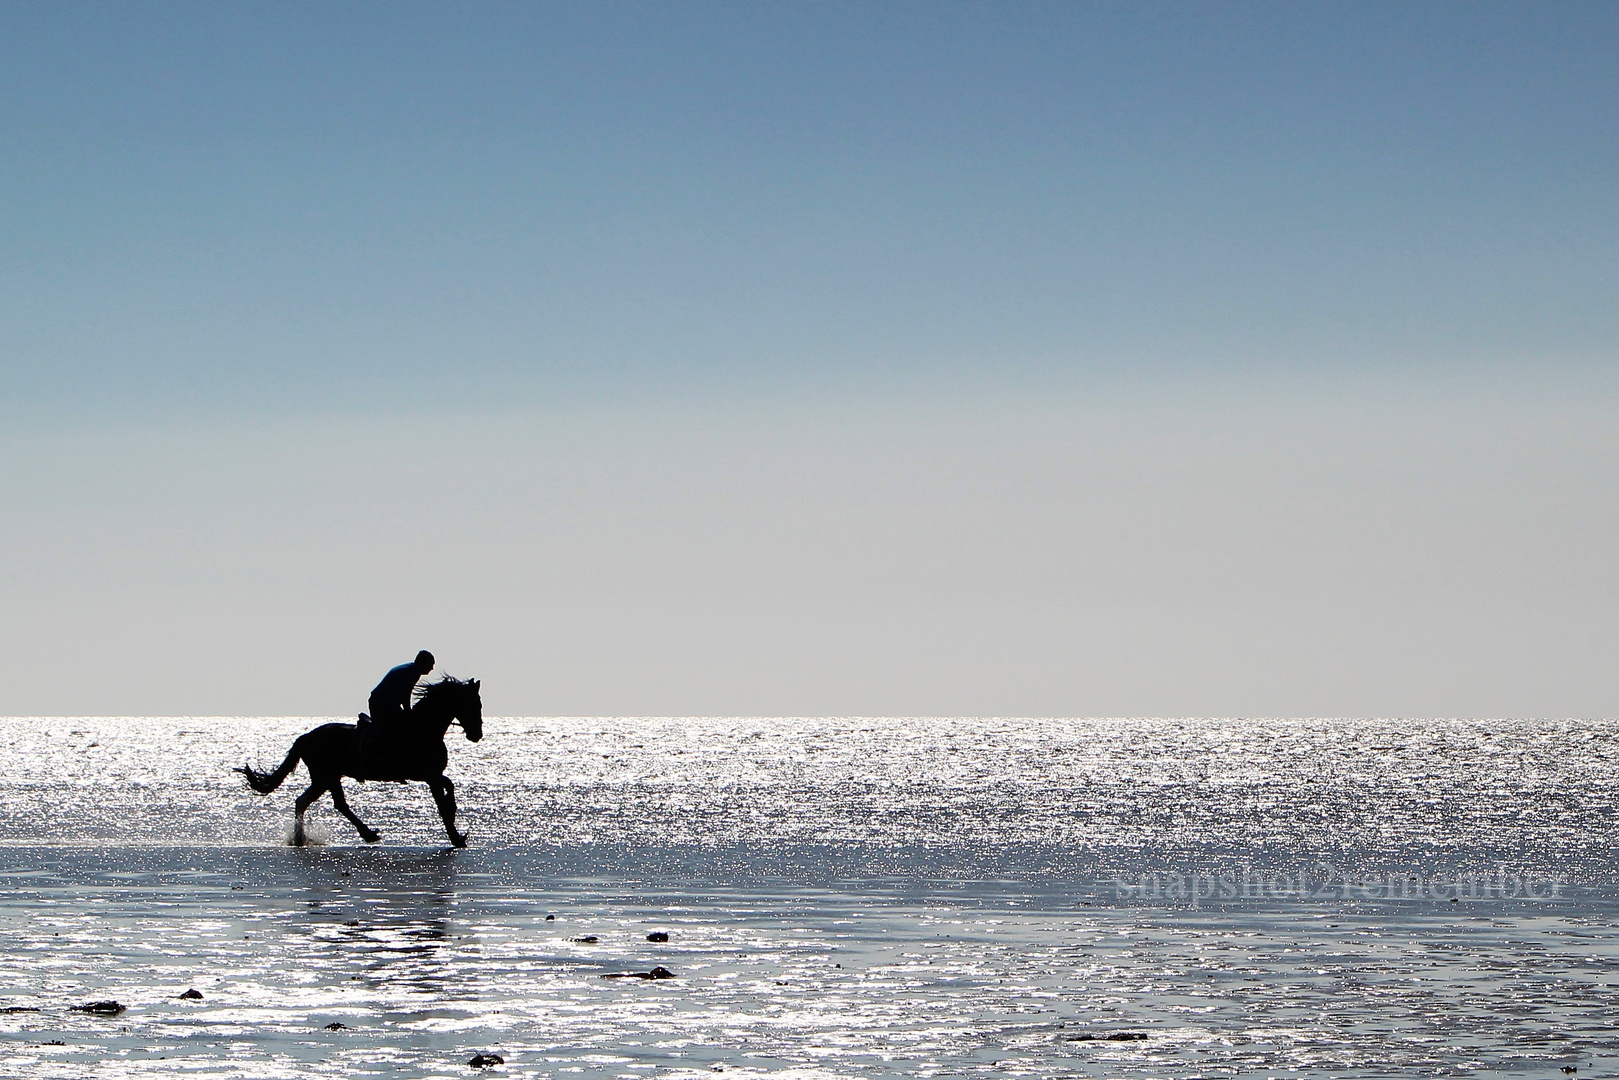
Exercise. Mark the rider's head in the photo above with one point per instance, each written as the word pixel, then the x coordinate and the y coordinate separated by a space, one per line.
pixel 424 661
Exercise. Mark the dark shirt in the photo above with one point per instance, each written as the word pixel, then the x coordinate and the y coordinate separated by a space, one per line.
pixel 394 689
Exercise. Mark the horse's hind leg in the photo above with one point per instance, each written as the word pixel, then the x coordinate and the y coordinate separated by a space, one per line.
pixel 367 833
pixel 444 795
pixel 305 801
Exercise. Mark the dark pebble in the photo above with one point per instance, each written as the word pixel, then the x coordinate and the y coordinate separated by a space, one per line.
pixel 352 922
pixel 54 1042
pixel 335 1026
pixel 655 973
pixel 484 1061
pixel 550 918
pixel 99 1008
pixel 588 939
pixel 657 935
pixel 1117 1036
pixel 192 995
pixel 19 1008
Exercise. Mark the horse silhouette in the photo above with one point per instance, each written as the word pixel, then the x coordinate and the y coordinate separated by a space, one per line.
pixel 332 751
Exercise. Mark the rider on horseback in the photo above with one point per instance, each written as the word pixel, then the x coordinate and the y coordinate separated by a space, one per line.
pixel 390 704
pixel 417 752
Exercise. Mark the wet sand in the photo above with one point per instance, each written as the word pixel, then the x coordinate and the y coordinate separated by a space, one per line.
pixel 842 898
pixel 428 957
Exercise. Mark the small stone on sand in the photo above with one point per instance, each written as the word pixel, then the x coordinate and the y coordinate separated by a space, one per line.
pixel 484 1061
pixel 99 1008
pixel 588 939
pixel 335 1026
pixel 192 995
pixel 657 935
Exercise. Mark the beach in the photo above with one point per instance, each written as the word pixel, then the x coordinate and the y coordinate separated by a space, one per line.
pixel 842 897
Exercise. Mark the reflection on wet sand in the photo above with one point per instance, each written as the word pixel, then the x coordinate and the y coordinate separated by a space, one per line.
pixel 347 962
pixel 390 909
pixel 831 898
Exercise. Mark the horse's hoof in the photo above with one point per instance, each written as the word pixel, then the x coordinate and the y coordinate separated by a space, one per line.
pixel 370 837
pixel 459 841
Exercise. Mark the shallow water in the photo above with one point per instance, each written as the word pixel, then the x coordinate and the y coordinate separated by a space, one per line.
pixel 844 898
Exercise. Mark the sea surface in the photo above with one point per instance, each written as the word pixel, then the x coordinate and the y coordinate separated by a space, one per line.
pixel 843 897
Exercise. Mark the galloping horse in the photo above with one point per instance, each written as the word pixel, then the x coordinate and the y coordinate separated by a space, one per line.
pixel 331 752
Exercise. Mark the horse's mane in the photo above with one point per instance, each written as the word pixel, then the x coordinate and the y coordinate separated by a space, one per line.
pixel 434 690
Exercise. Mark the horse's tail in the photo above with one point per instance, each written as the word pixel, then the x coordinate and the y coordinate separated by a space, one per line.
pixel 264 783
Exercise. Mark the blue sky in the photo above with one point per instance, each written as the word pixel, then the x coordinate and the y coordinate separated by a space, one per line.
pixel 551 337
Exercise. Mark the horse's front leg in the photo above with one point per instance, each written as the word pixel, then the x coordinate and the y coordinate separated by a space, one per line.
pixel 367 833
pixel 305 801
pixel 444 795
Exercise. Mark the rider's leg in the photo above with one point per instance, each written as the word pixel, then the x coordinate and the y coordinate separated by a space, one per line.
pixel 378 737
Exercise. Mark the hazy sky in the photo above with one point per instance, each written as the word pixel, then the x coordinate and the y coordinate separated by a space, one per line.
pixel 811 358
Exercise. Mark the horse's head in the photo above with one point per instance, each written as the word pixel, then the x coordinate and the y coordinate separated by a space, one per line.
pixel 450 700
pixel 470 710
